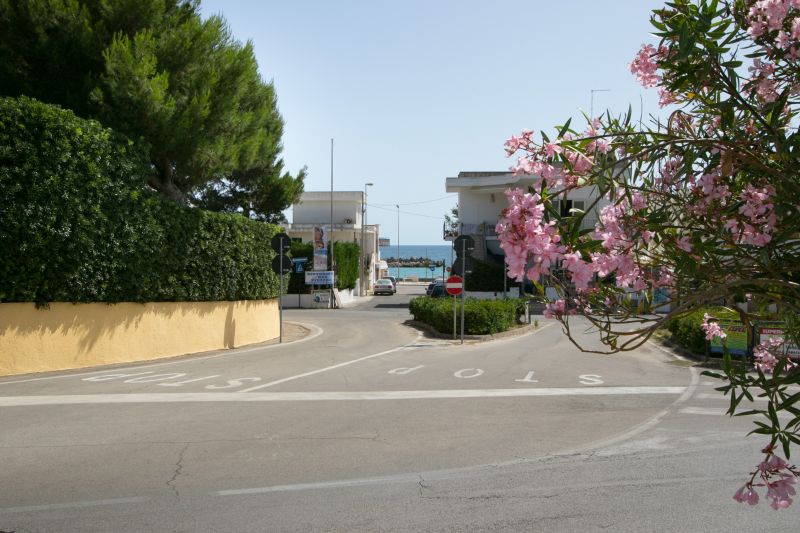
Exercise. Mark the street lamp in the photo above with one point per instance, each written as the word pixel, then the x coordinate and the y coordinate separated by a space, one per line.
pixel 363 274
pixel 398 241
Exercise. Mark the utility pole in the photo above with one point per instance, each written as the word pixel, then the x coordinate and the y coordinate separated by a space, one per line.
pixel 363 274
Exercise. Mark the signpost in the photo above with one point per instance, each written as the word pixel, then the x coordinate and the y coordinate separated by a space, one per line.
pixel 455 286
pixel 463 246
pixel 281 243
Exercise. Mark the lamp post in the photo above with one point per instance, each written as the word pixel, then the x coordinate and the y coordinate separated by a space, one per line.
pixel 398 241
pixel 363 274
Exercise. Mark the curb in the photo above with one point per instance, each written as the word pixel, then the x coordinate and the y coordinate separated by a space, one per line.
pixel 433 332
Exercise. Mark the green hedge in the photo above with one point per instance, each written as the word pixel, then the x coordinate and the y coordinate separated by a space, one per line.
pixel 686 332
pixel 78 224
pixel 347 256
pixel 481 317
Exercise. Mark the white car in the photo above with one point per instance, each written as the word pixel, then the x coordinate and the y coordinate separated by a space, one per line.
pixel 383 286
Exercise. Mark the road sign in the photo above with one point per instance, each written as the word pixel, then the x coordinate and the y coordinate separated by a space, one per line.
pixel 454 285
pixel 281 264
pixel 281 243
pixel 463 265
pixel 464 244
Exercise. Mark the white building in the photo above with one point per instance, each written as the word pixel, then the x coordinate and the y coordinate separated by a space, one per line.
pixel 349 209
pixel 481 199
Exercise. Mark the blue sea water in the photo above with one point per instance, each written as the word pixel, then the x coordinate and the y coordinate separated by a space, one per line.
pixel 408 251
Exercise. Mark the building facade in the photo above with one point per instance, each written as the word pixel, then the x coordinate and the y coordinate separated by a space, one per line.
pixel 314 210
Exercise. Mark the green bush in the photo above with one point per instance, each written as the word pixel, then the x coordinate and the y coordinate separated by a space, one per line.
pixel 78 224
pixel 297 281
pixel 348 257
pixel 481 317
pixel 686 332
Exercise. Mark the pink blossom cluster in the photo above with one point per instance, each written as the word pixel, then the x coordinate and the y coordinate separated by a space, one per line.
pixel 758 217
pixel 779 478
pixel 762 74
pixel 711 328
pixel 557 309
pixel 644 66
pixel 524 236
pixel 767 16
pixel 523 142
pixel 768 353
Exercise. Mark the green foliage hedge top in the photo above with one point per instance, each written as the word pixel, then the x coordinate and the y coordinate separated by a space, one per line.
pixel 78 224
pixel 481 317
pixel 685 330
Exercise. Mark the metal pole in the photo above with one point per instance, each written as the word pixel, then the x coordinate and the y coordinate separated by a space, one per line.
pixel 398 242
pixel 464 281
pixel 280 299
pixel 455 328
pixel 363 273
pixel 330 239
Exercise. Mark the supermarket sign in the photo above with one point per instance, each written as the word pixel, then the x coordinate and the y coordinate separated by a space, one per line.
pixel 774 330
pixel 735 340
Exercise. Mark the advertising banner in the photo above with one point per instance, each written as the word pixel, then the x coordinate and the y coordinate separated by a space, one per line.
pixel 774 330
pixel 320 248
pixel 317 277
pixel 321 298
pixel 736 339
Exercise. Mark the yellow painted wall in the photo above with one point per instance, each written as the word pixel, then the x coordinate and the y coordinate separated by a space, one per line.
pixel 80 335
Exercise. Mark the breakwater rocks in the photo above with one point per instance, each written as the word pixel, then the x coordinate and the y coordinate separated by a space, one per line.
pixel 413 262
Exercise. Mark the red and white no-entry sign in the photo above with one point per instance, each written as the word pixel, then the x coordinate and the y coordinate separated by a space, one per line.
pixel 454 285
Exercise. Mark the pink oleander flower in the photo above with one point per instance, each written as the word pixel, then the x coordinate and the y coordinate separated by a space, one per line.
pixel 554 309
pixel 684 243
pixel 711 329
pixel 768 353
pixel 747 495
pixel 644 67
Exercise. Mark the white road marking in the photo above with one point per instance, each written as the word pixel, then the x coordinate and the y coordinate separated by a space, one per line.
pixel 332 367
pixel 402 371
pixel 70 505
pixel 316 331
pixel 528 378
pixel 75 399
pixel 702 411
pixel 182 383
pixel 590 379
pixel 399 478
pixel 474 373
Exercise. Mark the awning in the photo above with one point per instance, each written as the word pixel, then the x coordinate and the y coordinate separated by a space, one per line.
pixel 382 265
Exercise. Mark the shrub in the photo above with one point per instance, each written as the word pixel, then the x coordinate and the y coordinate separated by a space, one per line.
pixel 685 330
pixel 348 257
pixel 481 317
pixel 79 225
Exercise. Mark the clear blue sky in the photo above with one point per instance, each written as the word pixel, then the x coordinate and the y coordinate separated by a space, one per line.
pixel 412 92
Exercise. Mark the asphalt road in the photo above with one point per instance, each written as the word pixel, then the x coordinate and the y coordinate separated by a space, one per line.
pixel 365 424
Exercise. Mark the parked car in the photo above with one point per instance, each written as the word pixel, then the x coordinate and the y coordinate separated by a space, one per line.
pixel 438 292
pixel 383 286
pixel 392 279
pixel 433 284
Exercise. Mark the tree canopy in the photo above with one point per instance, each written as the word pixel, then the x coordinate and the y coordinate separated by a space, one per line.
pixel 157 72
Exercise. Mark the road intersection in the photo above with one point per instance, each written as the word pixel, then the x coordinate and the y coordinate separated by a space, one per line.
pixel 365 409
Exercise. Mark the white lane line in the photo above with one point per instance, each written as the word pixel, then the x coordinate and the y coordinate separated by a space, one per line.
pixel 702 411
pixel 399 478
pixel 316 331
pixel 70 505
pixel 332 367
pixel 200 397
